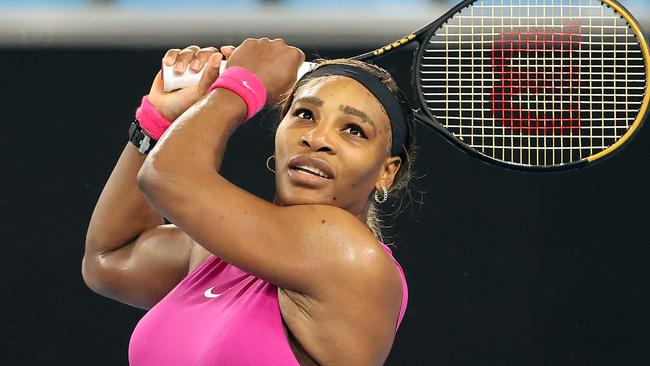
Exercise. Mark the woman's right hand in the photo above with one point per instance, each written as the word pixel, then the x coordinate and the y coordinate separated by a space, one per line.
pixel 273 61
pixel 173 104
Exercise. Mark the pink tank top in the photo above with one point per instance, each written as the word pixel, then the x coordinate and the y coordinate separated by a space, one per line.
pixel 219 315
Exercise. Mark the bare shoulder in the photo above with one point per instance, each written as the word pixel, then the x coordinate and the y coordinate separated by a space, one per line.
pixel 357 257
pixel 357 302
pixel 334 228
pixel 333 222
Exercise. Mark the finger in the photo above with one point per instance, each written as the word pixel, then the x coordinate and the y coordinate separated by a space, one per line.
pixel 227 50
pixel 210 73
pixel 170 56
pixel 184 58
pixel 201 57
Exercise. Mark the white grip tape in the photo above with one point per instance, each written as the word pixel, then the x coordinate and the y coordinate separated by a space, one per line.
pixel 191 78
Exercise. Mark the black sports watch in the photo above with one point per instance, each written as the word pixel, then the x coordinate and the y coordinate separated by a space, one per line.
pixel 140 139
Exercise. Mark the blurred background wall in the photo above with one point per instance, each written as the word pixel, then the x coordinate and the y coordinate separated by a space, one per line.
pixel 549 269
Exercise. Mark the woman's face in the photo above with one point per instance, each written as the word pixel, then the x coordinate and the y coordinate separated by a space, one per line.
pixel 332 146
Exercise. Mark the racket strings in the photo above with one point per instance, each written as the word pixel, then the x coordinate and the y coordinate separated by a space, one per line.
pixel 543 83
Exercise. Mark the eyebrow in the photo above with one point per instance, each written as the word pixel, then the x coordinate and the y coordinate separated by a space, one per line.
pixel 355 112
pixel 310 100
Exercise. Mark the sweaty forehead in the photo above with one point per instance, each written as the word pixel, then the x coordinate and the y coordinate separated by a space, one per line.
pixel 339 90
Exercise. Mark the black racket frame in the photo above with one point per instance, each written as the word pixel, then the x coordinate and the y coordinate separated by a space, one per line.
pixel 424 116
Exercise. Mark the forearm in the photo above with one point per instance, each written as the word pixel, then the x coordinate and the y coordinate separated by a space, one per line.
pixel 192 149
pixel 121 213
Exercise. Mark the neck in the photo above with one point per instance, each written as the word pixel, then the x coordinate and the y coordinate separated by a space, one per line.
pixel 360 213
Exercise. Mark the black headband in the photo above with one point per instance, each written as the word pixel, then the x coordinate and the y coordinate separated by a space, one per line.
pixel 385 96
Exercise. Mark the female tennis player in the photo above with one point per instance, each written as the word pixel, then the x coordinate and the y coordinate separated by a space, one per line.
pixel 237 280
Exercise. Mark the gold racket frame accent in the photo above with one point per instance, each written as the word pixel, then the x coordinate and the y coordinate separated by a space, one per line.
pixel 400 42
pixel 646 100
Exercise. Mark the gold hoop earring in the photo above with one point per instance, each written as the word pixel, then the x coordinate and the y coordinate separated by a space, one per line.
pixel 384 195
pixel 267 163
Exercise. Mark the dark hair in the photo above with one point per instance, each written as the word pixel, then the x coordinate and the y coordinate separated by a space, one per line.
pixel 407 154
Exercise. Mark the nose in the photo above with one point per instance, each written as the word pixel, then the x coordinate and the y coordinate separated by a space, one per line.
pixel 319 138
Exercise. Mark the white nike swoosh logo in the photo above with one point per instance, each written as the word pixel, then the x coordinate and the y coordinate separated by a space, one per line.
pixel 208 293
pixel 246 85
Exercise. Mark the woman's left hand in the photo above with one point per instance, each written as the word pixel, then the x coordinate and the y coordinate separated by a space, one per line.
pixel 173 104
pixel 273 61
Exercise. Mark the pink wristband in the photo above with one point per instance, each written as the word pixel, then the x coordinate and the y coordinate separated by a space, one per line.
pixel 245 84
pixel 151 121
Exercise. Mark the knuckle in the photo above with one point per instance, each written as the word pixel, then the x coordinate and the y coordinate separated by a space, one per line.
pixel 295 51
pixel 188 51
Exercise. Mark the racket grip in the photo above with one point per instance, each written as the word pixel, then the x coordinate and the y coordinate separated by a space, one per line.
pixel 190 78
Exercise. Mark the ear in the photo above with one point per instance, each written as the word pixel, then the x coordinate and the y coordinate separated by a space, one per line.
pixel 389 171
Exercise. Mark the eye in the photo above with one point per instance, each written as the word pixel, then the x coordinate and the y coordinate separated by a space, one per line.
pixel 303 113
pixel 355 130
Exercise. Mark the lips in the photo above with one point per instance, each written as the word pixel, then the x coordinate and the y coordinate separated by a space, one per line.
pixel 312 170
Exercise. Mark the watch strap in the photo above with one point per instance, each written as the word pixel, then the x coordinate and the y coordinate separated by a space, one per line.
pixel 140 139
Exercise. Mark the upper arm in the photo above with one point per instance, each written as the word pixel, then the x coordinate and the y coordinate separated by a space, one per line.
pixel 304 248
pixel 142 272
pixel 376 329
pixel 362 315
pixel 366 307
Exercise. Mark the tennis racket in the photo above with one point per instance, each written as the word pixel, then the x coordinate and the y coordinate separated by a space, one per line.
pixel 537 85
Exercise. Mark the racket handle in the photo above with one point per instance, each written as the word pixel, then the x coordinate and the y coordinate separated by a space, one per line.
pixel 190 78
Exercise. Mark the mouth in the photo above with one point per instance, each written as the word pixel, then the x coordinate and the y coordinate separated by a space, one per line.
pixel 309 170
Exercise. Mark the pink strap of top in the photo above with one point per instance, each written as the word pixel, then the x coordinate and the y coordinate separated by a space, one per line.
pixel 405 291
